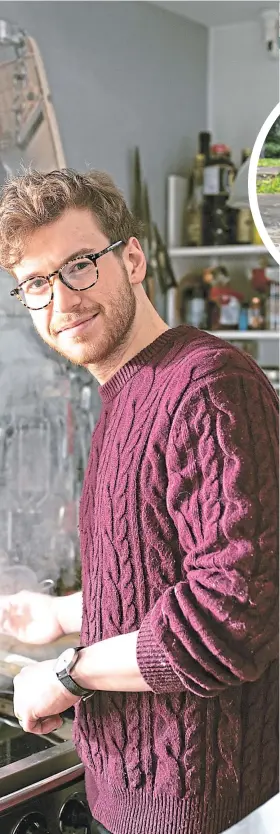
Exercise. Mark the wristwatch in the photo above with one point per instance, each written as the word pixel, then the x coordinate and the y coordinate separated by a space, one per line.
pixel 64 665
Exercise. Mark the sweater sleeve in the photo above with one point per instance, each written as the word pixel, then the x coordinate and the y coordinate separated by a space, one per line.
pixel 217 627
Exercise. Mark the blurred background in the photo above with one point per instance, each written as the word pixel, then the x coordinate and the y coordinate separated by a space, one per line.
pixel 171 95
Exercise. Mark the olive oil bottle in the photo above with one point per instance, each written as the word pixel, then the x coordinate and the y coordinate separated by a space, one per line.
pixel 194 209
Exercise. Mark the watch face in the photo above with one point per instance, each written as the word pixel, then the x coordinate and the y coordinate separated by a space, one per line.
pixel 65 660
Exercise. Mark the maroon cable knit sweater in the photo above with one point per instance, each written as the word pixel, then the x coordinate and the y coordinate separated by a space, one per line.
pixel 178 523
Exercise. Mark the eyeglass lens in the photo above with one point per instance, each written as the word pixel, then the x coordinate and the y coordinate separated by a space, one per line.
pixel 79 274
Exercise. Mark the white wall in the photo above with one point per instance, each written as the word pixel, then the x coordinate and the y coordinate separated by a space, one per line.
pixel 122 74
pixel 243 84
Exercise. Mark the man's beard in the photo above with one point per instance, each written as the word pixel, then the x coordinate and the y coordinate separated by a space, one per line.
pixel 113 328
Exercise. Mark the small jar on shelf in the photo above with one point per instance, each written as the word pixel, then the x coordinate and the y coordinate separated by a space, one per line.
pixel 256 313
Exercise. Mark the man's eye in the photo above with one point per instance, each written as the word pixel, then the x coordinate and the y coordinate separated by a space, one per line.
pixel 35 285
pixel 79 266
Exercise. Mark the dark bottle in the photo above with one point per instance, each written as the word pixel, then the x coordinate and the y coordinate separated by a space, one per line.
pixel 204 139
pixel 219 174
pixel 216 231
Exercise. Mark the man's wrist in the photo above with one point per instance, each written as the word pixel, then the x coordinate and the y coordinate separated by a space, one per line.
pixel 64 668
pixel 68 612
pixel 82 673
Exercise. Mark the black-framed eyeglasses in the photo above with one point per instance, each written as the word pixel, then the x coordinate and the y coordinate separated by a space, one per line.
pixel 78 274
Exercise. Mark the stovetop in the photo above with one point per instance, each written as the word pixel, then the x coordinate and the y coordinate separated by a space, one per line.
pixel 15 744
pixel 41 778
pixel 24 755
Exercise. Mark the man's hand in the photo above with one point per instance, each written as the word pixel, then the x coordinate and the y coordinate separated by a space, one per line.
pixel 30 617
pixel 39 698
pixel 38 619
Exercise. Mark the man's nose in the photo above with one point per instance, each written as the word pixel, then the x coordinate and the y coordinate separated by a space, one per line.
pixel 64 299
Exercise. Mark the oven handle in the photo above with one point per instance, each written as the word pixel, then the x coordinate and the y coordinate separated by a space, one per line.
pixel 45 785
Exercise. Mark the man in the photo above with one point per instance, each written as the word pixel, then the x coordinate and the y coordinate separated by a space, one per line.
pixel 176 686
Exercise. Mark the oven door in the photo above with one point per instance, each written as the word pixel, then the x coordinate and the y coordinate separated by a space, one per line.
pixel 45 794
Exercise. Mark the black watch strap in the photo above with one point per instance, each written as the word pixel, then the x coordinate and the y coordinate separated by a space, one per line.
pixel 65 678
pixel 72 686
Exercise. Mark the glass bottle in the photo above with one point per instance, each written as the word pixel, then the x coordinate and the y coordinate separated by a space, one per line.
pixel 218 177
pixel 196 310
pixel 194 209
pixel 244 220
pixel 243 317
pixel 204 140
pixel 219 171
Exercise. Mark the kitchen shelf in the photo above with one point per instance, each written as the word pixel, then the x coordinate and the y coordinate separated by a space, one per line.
pixel 214 251
pixel 245 335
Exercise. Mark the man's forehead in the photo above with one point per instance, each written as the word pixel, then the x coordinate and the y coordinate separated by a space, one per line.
pixel 52 245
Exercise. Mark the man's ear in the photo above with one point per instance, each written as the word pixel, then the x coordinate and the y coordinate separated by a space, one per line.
pixel 135 261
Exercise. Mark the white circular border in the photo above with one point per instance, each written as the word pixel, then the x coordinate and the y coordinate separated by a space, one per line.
pixel 252 184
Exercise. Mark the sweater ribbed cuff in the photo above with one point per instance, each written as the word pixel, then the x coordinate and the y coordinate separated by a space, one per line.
pixel 153 664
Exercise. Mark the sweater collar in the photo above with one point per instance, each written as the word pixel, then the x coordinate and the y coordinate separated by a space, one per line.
pixel 114 385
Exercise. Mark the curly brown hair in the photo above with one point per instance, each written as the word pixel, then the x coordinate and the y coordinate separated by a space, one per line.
pixel 35 199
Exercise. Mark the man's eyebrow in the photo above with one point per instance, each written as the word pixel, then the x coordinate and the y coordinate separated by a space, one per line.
pixel 84 251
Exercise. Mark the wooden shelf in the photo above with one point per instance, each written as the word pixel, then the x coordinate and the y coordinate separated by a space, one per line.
pixel 245 335
pixel 217 251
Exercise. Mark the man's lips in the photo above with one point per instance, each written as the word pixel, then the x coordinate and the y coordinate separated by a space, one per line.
pixel 76 325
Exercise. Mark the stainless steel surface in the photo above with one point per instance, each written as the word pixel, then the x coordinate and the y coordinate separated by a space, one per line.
pixel 25 757
pixel 33 823
pixel 48 809
pixel 43 786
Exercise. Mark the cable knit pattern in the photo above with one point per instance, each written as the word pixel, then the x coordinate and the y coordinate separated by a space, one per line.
pixel 178 527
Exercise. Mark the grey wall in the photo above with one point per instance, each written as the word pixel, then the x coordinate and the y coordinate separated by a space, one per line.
pixel 121 74
pixel 244 84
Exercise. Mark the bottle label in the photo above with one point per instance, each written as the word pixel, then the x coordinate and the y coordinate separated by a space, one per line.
pixel 217 179
pixel 195 230
pixel 255 319
pixel 230 312
pixel 196 312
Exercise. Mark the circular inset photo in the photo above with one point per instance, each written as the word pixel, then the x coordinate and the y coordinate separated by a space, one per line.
pixel 264 183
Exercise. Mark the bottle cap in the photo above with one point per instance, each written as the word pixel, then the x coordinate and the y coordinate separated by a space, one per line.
pixel 220 150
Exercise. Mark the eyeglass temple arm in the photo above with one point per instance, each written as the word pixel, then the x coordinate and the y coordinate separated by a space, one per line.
pixel 57 271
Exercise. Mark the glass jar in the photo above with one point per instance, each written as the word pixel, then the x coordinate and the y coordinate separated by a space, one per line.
pixel 255 314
